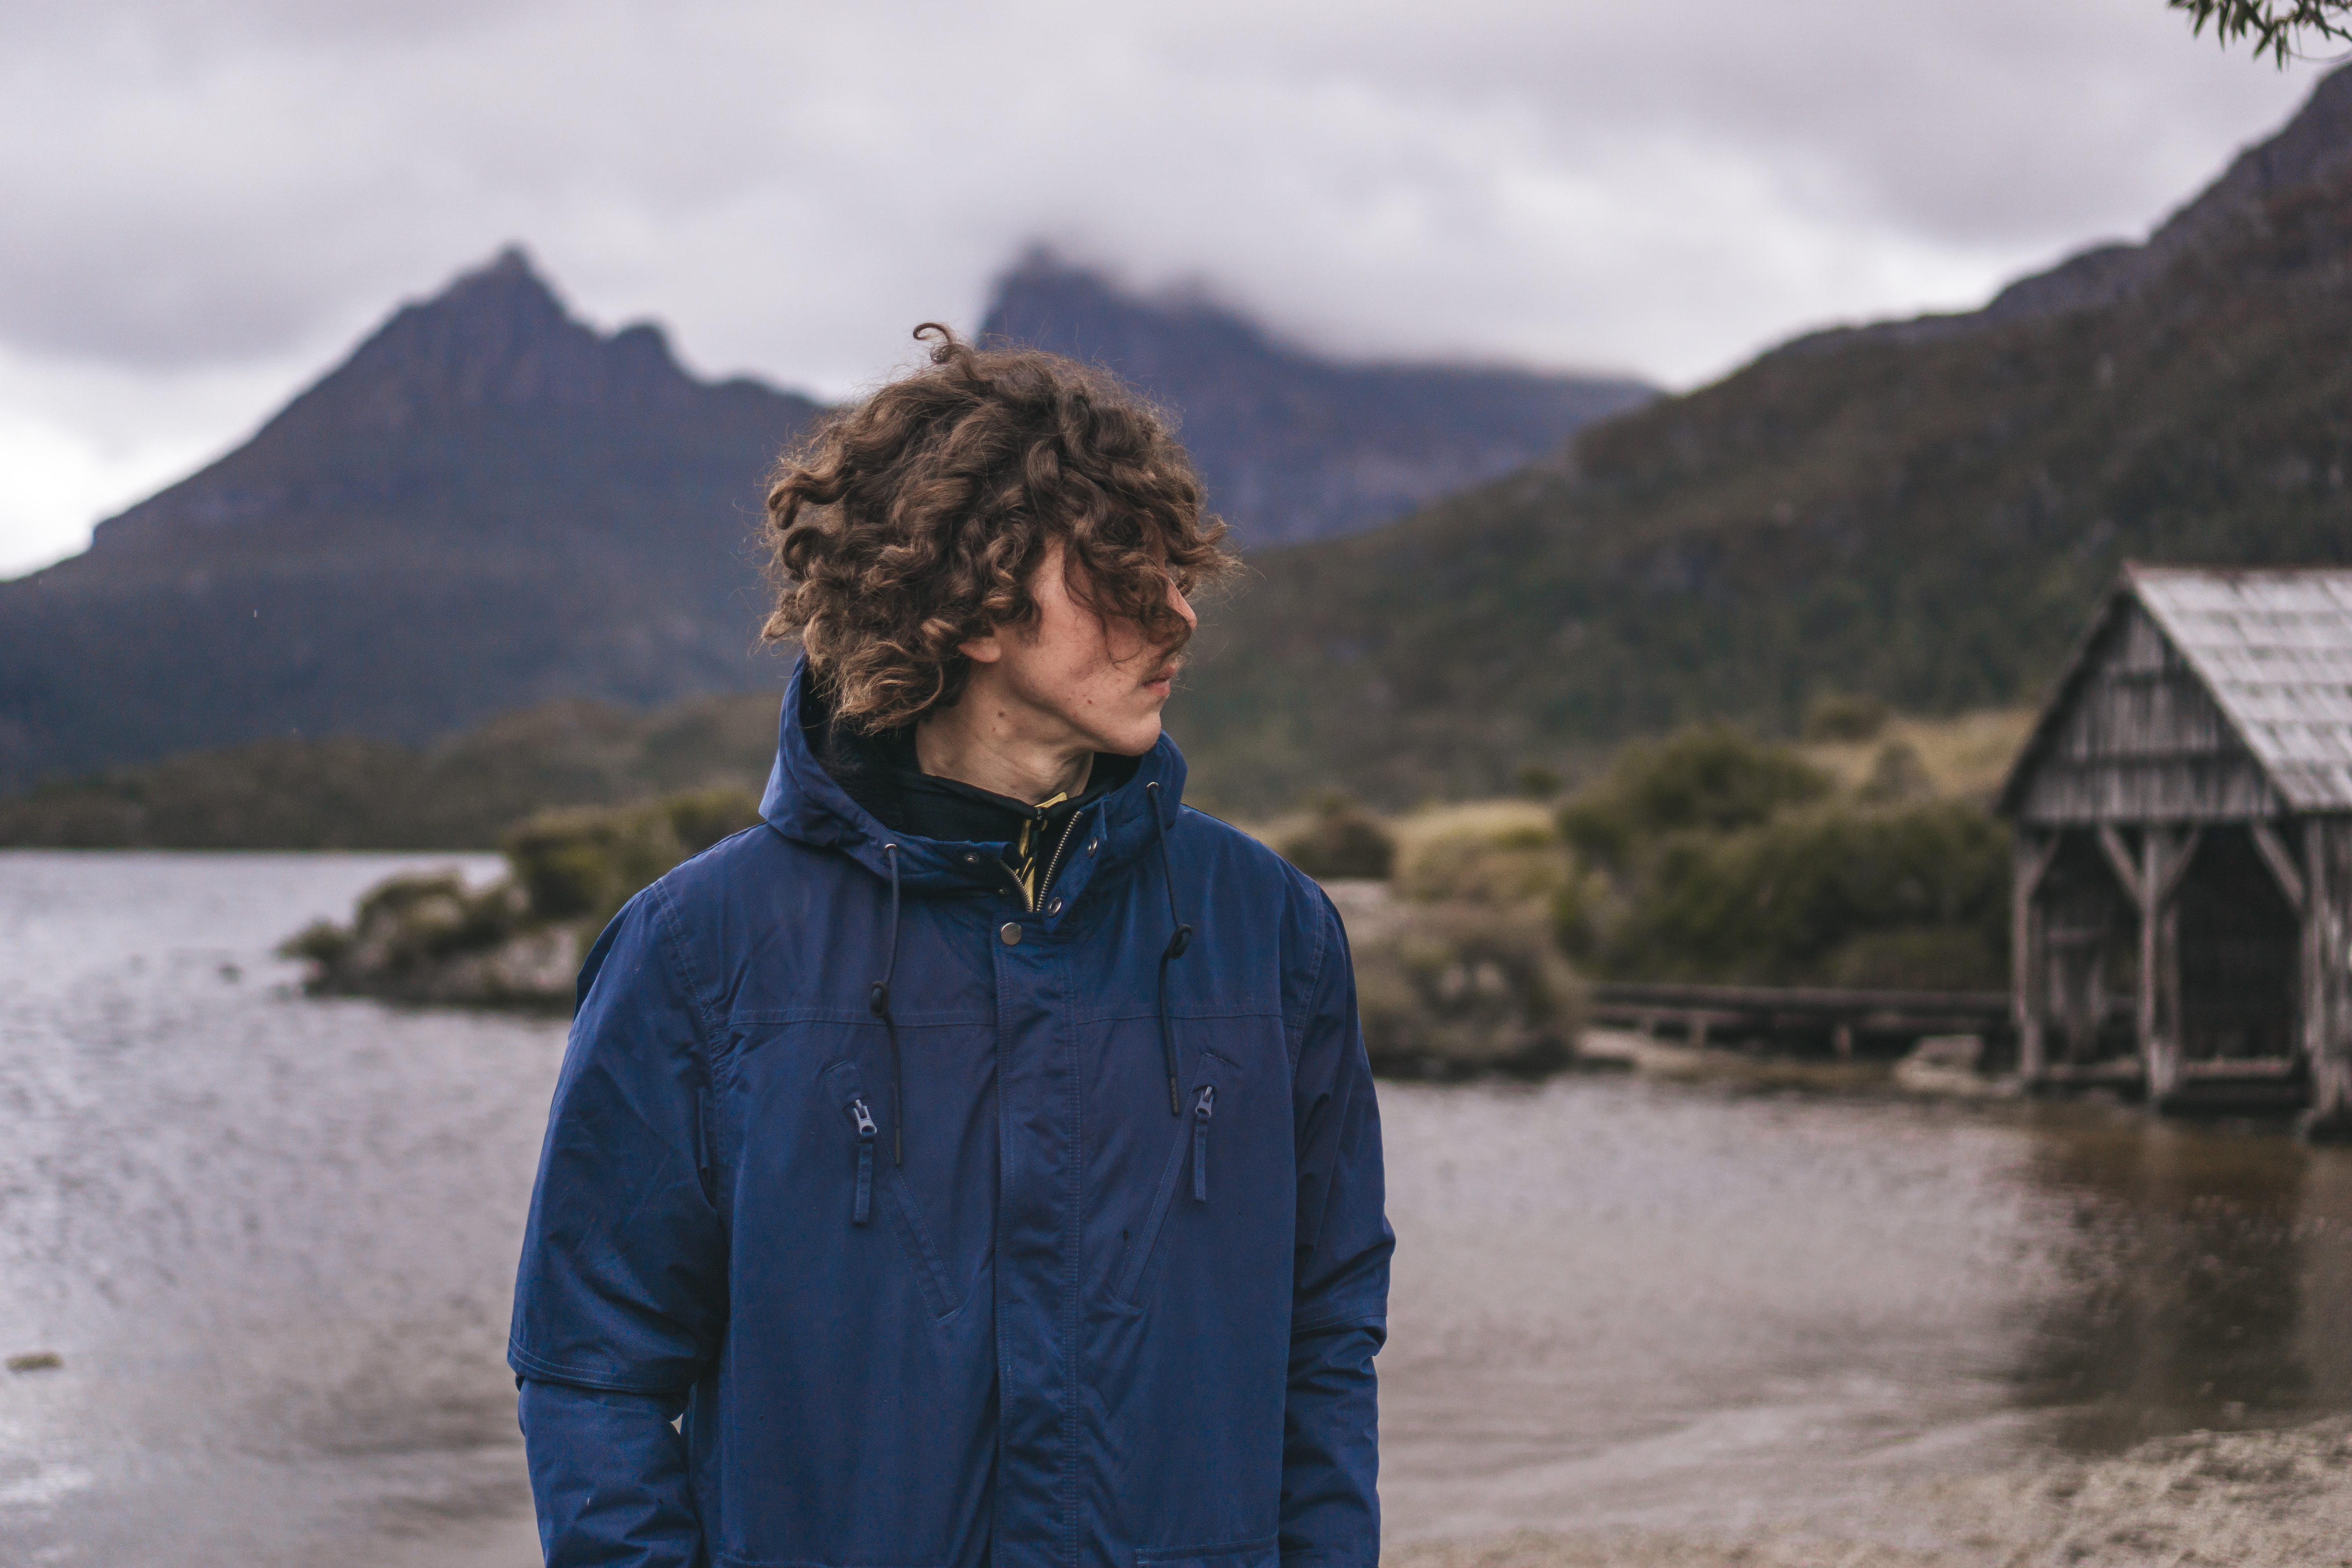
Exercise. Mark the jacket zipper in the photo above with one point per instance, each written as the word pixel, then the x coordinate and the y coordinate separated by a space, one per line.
pixel 1053 864
pixel 862 1208
pixel 1203 1109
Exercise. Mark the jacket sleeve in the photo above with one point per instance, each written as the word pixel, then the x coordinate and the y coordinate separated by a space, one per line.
pixel 621 1295
pixel 1331 1460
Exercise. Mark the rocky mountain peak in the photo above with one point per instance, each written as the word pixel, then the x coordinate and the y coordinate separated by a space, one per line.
pixel 1295 446
pixel 496 336
pixel 1047 300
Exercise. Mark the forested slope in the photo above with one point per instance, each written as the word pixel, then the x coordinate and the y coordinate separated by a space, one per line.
pixel 1922 511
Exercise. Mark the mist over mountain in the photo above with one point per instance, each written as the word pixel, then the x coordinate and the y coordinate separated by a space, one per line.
pixel 1922 511
pixel 1295 447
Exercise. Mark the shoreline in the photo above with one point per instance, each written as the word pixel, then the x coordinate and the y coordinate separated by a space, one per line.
pixel 2257 1499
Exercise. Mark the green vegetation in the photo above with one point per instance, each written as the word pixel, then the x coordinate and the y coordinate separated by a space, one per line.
pixel 1456 972
pixel 2280 28
pixel 583 865
pixel 1709 857
pixel 342 793
pixel 1708 781
pixel 1923 513
pixel 1344 840
pixel 1722 860
pixel 1844 716
pixel 517 942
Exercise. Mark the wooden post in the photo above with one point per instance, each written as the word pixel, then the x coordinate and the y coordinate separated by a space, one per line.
pixel 2165 859
pixel 2152 878
pixel 2028 953
pixel 2160 1066
pixel 2327 979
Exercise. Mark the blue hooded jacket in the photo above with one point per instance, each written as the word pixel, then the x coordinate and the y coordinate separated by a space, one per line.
pixel 880 1181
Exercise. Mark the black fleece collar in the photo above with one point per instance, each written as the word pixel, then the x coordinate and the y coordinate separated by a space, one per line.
pixel 882 773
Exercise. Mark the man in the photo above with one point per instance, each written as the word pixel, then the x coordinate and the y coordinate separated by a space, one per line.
pixel 980 1155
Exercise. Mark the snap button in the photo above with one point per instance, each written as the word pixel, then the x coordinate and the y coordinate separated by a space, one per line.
pixel 1054 907
pixel 1093 844
pixel 1009 933
pixel 971 860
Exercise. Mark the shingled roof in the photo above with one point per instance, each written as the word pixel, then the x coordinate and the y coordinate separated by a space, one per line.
pixel 2274 648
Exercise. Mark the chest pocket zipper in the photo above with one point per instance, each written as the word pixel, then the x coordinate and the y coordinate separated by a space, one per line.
pixel 888 1188
pixel 862 1208
pixel 1193 1141
pixel 1203 1109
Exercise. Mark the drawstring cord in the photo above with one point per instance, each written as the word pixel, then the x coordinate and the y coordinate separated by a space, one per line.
pixel 878 1003
pixel 1177 943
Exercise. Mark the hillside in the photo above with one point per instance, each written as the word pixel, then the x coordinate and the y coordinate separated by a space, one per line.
pixel 1295 447
pixel 344 792
pixel 487 506
pixel 1922 511
pixel 490 505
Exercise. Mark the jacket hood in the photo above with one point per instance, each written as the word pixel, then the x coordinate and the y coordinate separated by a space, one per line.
pixel 806 805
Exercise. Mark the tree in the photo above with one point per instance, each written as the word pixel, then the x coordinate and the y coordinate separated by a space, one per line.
pixel 2277 26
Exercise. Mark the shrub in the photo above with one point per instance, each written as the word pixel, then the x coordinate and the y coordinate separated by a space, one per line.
pixel 429 938
pixel 1896 775
pixel 1866 895
pixel 1845 716
pixel 1454 989
pixel 1344 840
pixel 1538 782
pixel 1713 778
pixel 1511 866
pixel 585 864
pixel 1462 976
pixel 405 925
pixel 704 817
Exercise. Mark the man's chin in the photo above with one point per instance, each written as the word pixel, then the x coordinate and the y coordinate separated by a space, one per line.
pixel 1133 742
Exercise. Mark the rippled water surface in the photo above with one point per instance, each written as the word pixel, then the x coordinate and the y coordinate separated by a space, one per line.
pixel 270 1241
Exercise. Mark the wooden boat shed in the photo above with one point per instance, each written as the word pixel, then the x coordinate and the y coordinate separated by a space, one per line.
pixel 2183 825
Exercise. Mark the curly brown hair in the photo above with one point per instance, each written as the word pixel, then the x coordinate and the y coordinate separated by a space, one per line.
pixel 913 523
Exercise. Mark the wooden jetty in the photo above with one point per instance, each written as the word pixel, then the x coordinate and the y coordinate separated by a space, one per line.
pixel 2183 812
pixel 1848 1022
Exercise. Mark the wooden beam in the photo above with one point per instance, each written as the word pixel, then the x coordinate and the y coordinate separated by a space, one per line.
pixel 2037 865
pixel 2176 864
pixel 2125 864
pixel 2282 864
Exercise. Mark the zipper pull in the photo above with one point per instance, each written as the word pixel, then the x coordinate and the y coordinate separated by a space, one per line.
pixel 1203 1109
pixel 862 1208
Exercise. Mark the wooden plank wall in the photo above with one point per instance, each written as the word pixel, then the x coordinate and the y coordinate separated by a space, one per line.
pixel 2142 742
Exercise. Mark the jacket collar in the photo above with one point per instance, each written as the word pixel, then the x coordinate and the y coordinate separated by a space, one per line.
pixel 805 804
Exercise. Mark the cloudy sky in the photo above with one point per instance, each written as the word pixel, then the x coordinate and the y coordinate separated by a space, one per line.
pixel 209 202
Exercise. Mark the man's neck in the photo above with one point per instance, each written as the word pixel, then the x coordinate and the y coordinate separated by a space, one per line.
pixel 984 743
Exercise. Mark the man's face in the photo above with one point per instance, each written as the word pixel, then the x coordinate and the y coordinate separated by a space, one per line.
pixel 1096 680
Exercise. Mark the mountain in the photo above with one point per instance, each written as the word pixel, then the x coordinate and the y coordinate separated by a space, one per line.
pixel 1295 447
pixel 490 505
pixel 487 506
pixel 1923 511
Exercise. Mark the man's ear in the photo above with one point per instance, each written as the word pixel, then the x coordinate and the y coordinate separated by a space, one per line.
pixel 983 649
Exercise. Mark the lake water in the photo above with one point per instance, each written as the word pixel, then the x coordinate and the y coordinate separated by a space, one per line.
pixel 270 1240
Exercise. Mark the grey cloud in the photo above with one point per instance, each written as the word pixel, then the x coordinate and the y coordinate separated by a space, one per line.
pixel 1662 187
